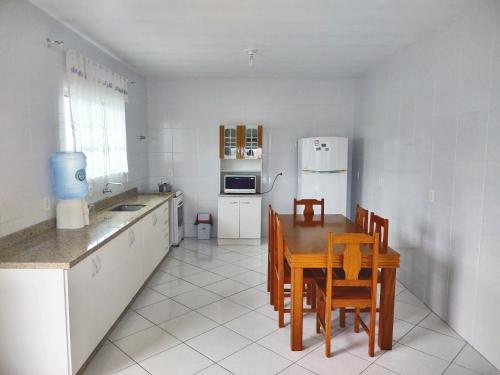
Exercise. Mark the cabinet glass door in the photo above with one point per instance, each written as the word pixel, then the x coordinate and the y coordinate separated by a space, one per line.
pixel 251 141
pixel 230 142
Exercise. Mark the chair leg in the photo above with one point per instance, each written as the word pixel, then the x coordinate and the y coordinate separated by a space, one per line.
pixel 272 290
pixel 281 305
pixel 342 317
pixel 308 289
pixel 275 292
pixel 268 275
pixel 318 311
pixel 356 320
pixel 371 339
pixel 328 332
pixel 313 291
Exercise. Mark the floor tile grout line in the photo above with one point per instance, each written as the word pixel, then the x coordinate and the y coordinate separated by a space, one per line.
pixel 459 338
pixel 223 325
pixel 296 364
pixel 133 360
pixel 182 341
pixel 399 340
pixel 432 355
pixel 421 351
pixel 371 363
pixel 455 357
pixel 384 367
pixel 255 287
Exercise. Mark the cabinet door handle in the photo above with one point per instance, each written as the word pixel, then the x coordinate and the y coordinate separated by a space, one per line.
pixel 131 236
pixel 246 202
pixel 233 202
pixel 98 263
pixel 94 268
pixel 155 219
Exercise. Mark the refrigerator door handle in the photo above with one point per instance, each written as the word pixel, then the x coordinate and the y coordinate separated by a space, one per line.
pixel 334 171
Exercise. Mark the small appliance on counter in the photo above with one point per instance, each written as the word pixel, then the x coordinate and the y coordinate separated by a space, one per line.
pixel 163 187
pixel 70 187
pixel 240 184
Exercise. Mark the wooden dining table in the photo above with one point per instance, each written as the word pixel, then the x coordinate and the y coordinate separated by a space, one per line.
pixel 306 247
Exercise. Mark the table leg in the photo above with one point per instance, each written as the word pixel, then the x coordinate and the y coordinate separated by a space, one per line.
pixel 386 312
pixel 296 314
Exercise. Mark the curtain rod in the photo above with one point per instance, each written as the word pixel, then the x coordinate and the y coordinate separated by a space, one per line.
pixel 60 43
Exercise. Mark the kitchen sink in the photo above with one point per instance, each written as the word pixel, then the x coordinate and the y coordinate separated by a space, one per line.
pixel 128 207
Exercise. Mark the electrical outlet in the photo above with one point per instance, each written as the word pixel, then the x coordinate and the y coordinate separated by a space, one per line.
pixel 431 195
pixel 46 204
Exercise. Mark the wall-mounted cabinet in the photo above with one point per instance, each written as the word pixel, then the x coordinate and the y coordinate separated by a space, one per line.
pixel 240 142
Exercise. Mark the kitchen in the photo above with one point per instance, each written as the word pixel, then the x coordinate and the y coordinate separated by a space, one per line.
pixel 415 94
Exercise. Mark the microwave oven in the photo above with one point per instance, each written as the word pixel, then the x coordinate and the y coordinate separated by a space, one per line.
pixel 240 184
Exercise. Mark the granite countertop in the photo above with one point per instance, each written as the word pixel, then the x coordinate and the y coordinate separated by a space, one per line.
pixel 63 248
pixel 252 195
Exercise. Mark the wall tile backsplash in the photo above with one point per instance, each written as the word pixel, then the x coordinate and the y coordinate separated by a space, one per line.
pixel 32 77
pixel 434 107
pixel 184 116
pixel 424 131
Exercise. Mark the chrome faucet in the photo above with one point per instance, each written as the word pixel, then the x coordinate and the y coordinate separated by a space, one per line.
pixel 107 189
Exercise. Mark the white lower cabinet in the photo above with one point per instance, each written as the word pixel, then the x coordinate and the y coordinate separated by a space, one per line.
pixel 250 212
pixel 239 217
pixel 157 239
pixel 58 317
pixel 228 214
pixel 83 305
pixel 100 288
pixel 102 285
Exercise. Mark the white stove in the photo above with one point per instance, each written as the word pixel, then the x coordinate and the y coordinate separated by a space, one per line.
pixel 177 218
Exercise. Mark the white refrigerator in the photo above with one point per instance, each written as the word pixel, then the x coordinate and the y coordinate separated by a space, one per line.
pixel 322 171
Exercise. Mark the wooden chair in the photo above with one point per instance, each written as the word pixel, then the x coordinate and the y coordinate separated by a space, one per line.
pixel 345 289
pixel 282 276
pixel 381 226
pixel 361 218
pixel 309 206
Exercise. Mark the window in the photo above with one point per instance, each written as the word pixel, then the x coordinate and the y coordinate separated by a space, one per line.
pixel 94 116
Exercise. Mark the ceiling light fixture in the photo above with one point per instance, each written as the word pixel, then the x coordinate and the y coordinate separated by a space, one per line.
pixel 251 52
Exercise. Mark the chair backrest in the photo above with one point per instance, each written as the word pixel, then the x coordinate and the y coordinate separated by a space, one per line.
pixel 351 261
pixel 381 226
pixel 309 206
pixel 308 221
pixel 279 256
pixel 361 218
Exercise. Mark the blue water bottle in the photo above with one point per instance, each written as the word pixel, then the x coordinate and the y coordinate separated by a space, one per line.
pixel 69 180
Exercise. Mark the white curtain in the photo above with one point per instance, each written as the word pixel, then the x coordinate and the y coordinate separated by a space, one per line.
pixel 97 98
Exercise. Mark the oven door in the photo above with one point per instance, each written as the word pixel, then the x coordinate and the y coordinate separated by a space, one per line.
pixel 180 222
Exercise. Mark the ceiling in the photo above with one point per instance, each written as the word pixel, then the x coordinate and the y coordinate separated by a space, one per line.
pixel 295 38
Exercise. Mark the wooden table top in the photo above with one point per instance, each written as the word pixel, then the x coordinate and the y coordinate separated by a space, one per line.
pixel 306 241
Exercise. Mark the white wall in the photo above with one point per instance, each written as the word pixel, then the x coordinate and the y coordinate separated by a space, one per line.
pixel 31 81
pixel 184 116
pixel 431 121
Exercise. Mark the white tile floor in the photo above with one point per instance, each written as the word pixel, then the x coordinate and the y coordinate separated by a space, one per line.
pixel 206 311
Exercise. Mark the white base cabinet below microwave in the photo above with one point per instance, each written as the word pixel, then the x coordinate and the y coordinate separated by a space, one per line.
pixel 239 219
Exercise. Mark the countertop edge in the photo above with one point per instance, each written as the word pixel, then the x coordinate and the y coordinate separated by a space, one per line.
pixel 68 265
pixel 117 233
